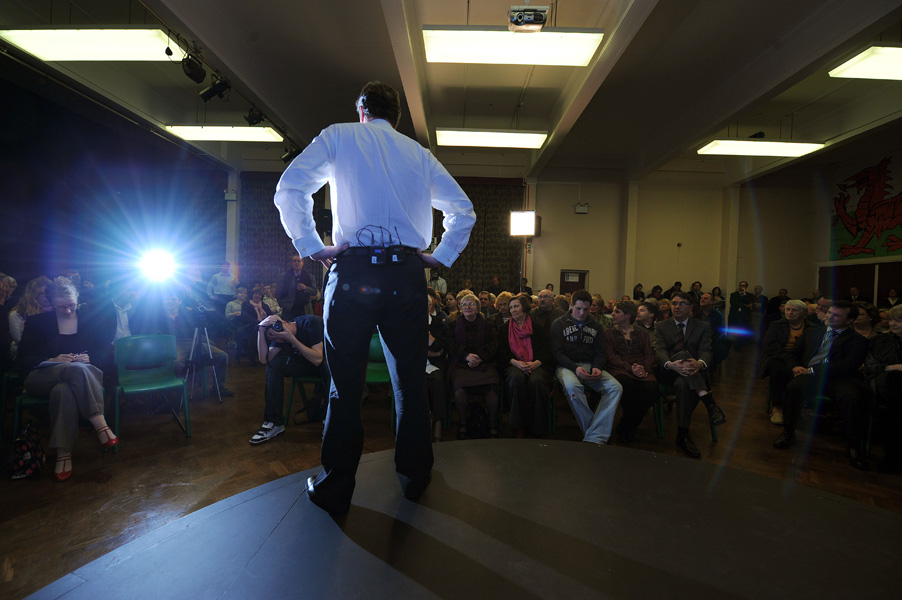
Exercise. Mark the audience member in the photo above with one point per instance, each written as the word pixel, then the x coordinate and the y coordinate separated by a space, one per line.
pixel 296 290
pixel 436 366
pixel 638 294
pixel 741 303
pixel 269 297
pixel 546 314
pixel 719 302
pixel 472 347
pixel 550 287
pixel 437 282
pixel 33 302
pixel 720 347
pixel 657 292
pixel 631 361
pixel 487 304
pixel 222 287
pixel 436 309
pixel 578 345
pixel 495 287
pixel 664 310
pixel 646 314
pixel 524 287
pixel 856 296
pixel 773 305
pixel 891 300
pixel 676 287
pixel 883 365
pixel 289 349
pixel 524 356
pixel 562 303
pixel 451 306
pixel 683 348
pixel 759 307
pixel 253 311
pixel 695 292
pixel 502 305
pixel 821 311
pixel 783 339
pixel 55 359
pixel 866 323
pixel 828 364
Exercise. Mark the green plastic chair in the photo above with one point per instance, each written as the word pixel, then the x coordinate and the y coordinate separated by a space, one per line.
pixel 298 382
pixel 377 371
pixel 145 365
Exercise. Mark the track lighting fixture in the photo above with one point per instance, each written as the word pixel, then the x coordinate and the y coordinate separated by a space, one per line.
pixel 254 116
pixel 290 154
pixel 193 68
pixel 218 88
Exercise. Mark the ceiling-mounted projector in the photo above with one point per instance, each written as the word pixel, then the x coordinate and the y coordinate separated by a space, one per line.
pixel 527 18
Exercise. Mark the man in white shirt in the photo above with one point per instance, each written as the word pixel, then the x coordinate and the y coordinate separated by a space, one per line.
pixel 383 188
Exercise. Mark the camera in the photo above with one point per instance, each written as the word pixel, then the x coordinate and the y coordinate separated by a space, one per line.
pixel 277 327
pixel 527 18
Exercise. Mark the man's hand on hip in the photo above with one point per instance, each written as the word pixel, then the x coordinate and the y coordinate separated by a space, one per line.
pixel 428 259
pixel 326 255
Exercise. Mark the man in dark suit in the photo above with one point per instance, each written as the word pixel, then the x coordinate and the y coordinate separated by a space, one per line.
pixel 741 314
pixel 683 350
pixel 855 296
pixel 828 364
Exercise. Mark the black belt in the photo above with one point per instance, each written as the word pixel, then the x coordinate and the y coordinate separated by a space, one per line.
pixel 368 250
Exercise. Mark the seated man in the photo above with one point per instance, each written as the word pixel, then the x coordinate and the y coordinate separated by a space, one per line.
pixel 289 349
pixel 487 304
pixel 546 313
pixel 720 347
pixel 270 299
pixel 827 363
pixel 188 327
pixel 683 349
pixel 578 346
pixel 562 303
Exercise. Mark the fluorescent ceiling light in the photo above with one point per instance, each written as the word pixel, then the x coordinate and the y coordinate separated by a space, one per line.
pixel 759 148
pixel 877 62
pixel 499 46
pixel 486 138
pixel 94 44
pixel 523 222
pixel 207 133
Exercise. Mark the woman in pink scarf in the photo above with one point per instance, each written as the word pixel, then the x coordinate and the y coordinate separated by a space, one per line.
pixel 525 360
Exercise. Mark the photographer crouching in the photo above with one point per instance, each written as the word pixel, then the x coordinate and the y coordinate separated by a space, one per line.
pixel 289 349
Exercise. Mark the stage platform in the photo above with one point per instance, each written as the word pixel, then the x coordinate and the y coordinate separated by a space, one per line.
pixel 517 519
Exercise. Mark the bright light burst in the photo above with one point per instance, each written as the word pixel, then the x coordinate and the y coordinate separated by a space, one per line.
pixel 157 265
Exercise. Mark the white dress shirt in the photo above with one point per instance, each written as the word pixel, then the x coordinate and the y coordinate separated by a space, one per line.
pixel 383 185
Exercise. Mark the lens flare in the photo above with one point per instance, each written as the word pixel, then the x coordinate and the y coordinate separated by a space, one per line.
pixel 157 265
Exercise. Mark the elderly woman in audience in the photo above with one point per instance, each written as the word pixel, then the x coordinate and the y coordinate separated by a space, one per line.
pixel 472 344
pixel 33 302
pixel 783 338
pixel 868 319
pixel 524 353
pixel 502 305
pixel 631 360
pixel 664 311
pixel 55 358
pixel 883 366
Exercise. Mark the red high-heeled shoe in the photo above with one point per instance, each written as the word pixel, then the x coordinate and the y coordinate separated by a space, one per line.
pixel 64 474
pixel 111 441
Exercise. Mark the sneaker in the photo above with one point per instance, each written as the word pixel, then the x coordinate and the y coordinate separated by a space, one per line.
pixel 776 417
pixel 266 432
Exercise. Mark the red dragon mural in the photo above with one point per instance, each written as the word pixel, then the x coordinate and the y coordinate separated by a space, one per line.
pixel 877 212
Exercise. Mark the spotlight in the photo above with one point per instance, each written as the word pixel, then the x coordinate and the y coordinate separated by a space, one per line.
pixel 291 154
pixel 192 68
pixel 254 116
pixel 219 87
pixel 157 265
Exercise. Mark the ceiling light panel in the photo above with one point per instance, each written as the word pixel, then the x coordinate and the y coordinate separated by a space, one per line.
pixel 112 44
pixel 877 62
pixel 759 148
pixel 498 46
pixel 484 138
pixel 208 133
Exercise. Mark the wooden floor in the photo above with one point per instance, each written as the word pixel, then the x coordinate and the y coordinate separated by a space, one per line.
pixel 49 528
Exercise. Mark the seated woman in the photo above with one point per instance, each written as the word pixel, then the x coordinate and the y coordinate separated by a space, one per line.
pixel 451 307
pixel 34 302
pixel 783 337
pixel 664 310
pixel 883 365
pixel 55 359
pixel 502 304
pixel 436 367
pixel 657 292
pixel 631 360
pixel 638 294
pixel 524 353
pixel 472 344
pixel 867 323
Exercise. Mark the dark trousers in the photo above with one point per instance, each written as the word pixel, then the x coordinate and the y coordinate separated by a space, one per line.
pixel 851 395
pixel 686 390
pixel 889 395
pixel 779 373
pixel 358 298
pixel 638 396
pixel 529 396
pixel 287 364
pixel 437 394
